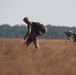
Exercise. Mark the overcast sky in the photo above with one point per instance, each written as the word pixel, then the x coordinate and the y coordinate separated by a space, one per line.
pixel 54 12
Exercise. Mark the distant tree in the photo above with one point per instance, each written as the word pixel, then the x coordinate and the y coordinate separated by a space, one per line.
pixel 19 31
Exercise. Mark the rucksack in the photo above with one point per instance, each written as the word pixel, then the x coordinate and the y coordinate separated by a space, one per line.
pixel 39 28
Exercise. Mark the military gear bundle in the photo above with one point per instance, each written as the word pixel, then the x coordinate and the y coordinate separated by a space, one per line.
pixel 39 28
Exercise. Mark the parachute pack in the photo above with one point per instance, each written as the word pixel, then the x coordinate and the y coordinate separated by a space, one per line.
pixel 39 28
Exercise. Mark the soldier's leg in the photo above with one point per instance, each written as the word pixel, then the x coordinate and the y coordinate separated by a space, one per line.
pixel 75 39
pixel 36 43
pixel 34 39
pixel 28 41
pixel 69 39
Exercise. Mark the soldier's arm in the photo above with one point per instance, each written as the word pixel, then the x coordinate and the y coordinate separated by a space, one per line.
pixel 28 32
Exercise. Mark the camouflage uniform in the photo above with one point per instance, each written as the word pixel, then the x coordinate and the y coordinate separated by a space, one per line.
pixel 31 35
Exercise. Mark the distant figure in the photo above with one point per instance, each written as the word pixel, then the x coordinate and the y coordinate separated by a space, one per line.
pixel 34 29
pixel 74 36
pixel 70 35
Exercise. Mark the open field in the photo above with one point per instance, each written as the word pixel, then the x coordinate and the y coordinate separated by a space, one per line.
pixel 54 57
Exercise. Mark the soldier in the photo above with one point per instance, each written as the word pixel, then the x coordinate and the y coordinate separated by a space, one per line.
pixel 70 35
pixel 74 36
pixel 31 35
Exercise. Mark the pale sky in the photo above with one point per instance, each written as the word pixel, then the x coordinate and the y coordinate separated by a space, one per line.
pixel 54 12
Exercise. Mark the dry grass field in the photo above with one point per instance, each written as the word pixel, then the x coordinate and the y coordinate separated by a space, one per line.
pixel 54 57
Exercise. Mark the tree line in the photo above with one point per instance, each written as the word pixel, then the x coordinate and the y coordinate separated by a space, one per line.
pixel 19 31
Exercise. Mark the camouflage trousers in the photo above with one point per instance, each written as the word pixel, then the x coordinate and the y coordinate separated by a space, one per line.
pixel 32 38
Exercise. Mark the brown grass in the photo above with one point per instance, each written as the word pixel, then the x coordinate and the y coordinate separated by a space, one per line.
pixel 54 57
